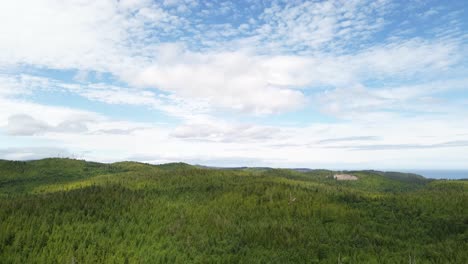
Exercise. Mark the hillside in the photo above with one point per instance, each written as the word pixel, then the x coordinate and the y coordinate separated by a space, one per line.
pixel 73 211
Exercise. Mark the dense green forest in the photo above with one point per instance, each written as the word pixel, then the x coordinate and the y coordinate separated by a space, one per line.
pixel 73 211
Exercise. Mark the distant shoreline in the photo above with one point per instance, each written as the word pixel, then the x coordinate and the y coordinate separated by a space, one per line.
pixel 441 174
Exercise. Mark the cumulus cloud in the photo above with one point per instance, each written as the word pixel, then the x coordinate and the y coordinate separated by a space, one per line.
pixel 26 125
pixel 231 80
pixel 271 84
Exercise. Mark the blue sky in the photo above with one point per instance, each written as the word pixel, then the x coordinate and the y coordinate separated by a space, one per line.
pixel 330 84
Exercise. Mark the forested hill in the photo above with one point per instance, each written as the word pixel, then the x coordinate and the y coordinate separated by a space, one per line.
pixel 73 211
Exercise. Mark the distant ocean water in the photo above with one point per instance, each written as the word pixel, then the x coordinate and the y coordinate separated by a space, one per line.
pixel 442 174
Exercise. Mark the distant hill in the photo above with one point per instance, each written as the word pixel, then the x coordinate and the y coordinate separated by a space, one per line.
pixel 401 176
pixel 75 211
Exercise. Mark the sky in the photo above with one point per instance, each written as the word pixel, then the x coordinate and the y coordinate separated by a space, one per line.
pixel 339 84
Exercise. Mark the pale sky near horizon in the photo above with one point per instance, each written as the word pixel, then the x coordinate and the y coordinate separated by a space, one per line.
pixel 340 84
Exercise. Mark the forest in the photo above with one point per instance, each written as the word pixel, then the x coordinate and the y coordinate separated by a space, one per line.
pixel 74 211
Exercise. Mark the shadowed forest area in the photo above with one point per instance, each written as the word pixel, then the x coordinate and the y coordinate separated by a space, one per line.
pixel 73 211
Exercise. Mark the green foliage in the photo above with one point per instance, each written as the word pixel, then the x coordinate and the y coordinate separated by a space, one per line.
pixel 70 211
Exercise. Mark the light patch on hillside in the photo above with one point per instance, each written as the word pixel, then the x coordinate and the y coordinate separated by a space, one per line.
pixel 345 177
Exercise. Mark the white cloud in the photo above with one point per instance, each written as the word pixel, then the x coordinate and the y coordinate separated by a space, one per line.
pixel 359 102
pixel 409 57
pixel 315 25
pixel 270 84
pixel 101 35
pixel 351 102
pixel 124 39
pixel 10 87
pixel 231 80
pixel 226 132
pixel 25 125
pixel 53 115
